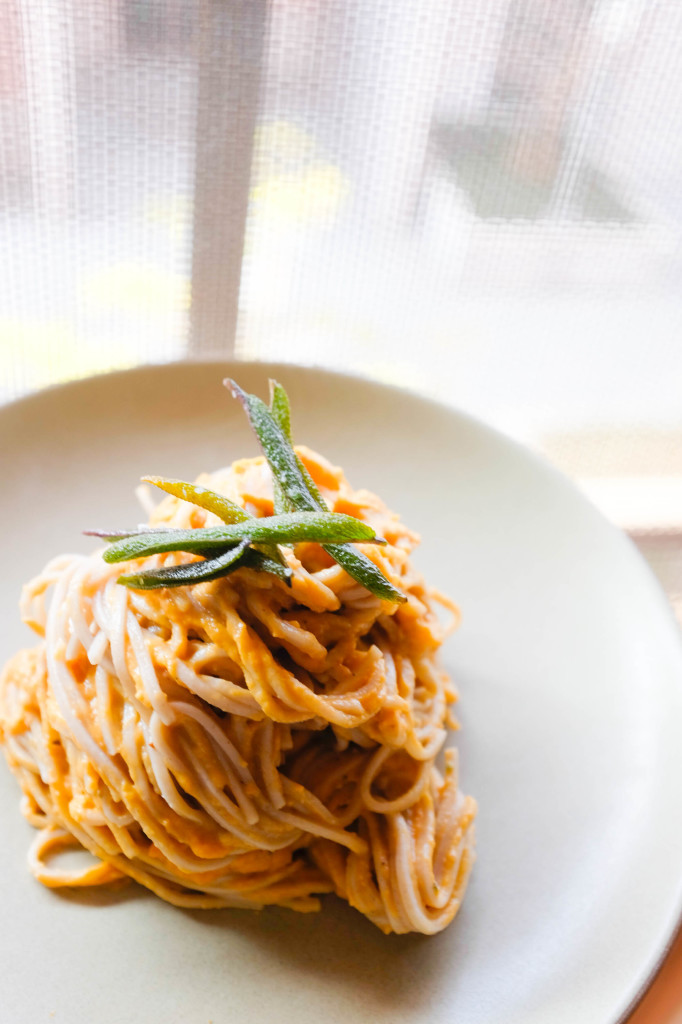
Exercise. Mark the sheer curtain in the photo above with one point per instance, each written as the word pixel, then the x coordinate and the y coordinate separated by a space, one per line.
pixel 477 198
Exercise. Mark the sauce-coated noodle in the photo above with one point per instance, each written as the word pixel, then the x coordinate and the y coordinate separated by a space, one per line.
pixel 241 743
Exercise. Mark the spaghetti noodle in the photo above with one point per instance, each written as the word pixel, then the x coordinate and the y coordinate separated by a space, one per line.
pixel 242 742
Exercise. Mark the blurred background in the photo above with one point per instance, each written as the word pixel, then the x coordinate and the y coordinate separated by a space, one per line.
pixel 479 199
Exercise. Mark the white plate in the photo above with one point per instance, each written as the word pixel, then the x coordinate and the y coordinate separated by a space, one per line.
pixel 570 671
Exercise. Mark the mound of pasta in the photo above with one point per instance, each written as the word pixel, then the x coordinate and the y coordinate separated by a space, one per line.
pixel 248 740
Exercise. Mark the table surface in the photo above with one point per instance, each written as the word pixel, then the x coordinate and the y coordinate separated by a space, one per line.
pixel 662 1004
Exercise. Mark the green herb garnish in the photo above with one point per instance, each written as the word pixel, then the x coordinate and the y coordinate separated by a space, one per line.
pixel 291 528
pixel 245 541
pixel 273 429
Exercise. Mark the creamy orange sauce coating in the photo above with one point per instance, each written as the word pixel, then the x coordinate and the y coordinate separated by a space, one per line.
pixel 239 742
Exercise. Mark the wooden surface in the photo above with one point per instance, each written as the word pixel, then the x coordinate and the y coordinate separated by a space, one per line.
pixel 663 1002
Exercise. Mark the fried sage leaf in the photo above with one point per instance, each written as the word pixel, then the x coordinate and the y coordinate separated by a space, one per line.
pixel 293 527
pixel 281 412
pixel 209 500
pixel 276 449
pixel 357 565
pixel 253 558
pixel 364 571
pixel 280 407
pixel 213 502
pixel 187 572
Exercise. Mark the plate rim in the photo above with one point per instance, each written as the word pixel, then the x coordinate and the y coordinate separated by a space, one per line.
pixel 267 366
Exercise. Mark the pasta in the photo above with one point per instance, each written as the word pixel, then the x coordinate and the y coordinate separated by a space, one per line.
pixel 241 742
